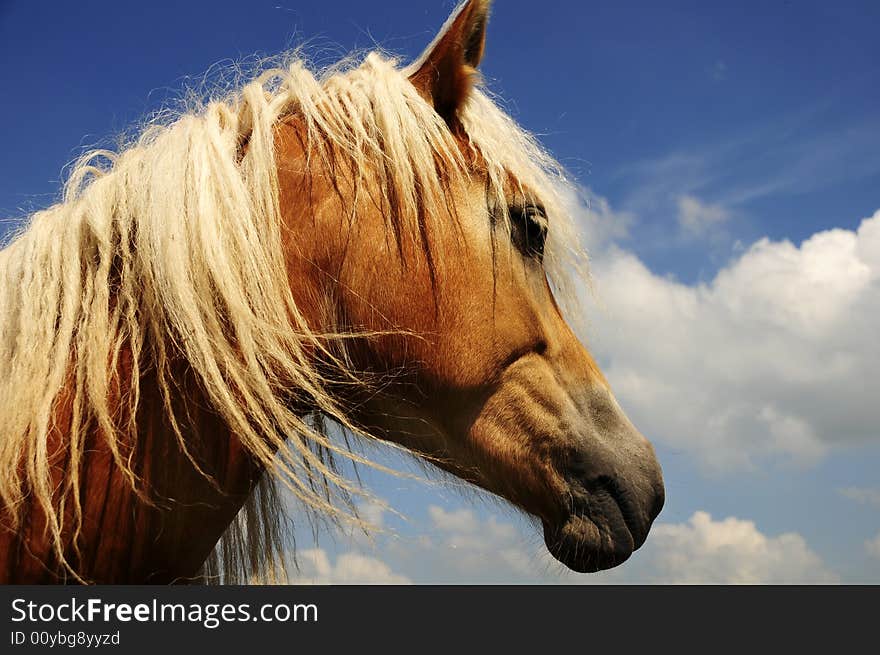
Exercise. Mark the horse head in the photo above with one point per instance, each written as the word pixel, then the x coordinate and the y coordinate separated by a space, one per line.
pixel 436 248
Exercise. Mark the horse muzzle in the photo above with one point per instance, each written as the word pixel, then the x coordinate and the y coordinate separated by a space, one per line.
pixel 608 512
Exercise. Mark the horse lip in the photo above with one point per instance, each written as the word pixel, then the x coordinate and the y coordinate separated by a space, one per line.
pixel 600 530
pixel 638 528
pixel 583 546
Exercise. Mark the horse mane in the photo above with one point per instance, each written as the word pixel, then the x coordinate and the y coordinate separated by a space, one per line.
pixel 171 248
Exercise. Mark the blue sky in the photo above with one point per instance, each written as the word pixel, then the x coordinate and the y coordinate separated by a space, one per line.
pixel 699 129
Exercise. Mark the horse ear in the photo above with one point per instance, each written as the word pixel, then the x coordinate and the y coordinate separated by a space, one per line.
pixel 445 71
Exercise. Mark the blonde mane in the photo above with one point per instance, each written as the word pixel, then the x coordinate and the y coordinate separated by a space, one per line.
pixel 171 248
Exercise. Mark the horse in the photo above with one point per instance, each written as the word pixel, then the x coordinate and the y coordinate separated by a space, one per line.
pixel 376 247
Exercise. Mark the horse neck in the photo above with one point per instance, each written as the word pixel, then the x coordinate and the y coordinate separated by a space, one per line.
pixel 166 537
pixel 161 535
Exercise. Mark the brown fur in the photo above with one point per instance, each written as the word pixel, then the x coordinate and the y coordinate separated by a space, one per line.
pixel 463 354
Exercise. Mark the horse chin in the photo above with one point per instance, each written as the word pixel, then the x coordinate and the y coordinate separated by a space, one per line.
pixel 590 540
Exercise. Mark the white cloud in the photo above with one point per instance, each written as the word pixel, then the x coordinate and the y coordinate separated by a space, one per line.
pixel 460 547
pixel 873 546
pixel 774 357
pixel 488 549
pixel 696 217
pixel 730 551
pixel 316 567
pixel 866 495
pixel 776 158
pixel 461 520
pixel 598 222
pixel 373 513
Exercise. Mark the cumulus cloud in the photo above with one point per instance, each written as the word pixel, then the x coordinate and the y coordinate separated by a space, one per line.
pixel 696 217
pixel 456 546
pixel 776 356
pixel 600 224
pixel 730 551
pixel 866 495
pixel 461 520
pixel 316 567
pixel 460 547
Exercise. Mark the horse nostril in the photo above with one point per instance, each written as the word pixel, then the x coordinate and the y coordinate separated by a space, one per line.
pixel 638 504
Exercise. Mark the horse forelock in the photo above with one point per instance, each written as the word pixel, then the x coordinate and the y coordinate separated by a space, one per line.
pixel 171 249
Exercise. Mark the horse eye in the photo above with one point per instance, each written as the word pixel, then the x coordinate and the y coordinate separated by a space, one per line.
pixel 528 228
